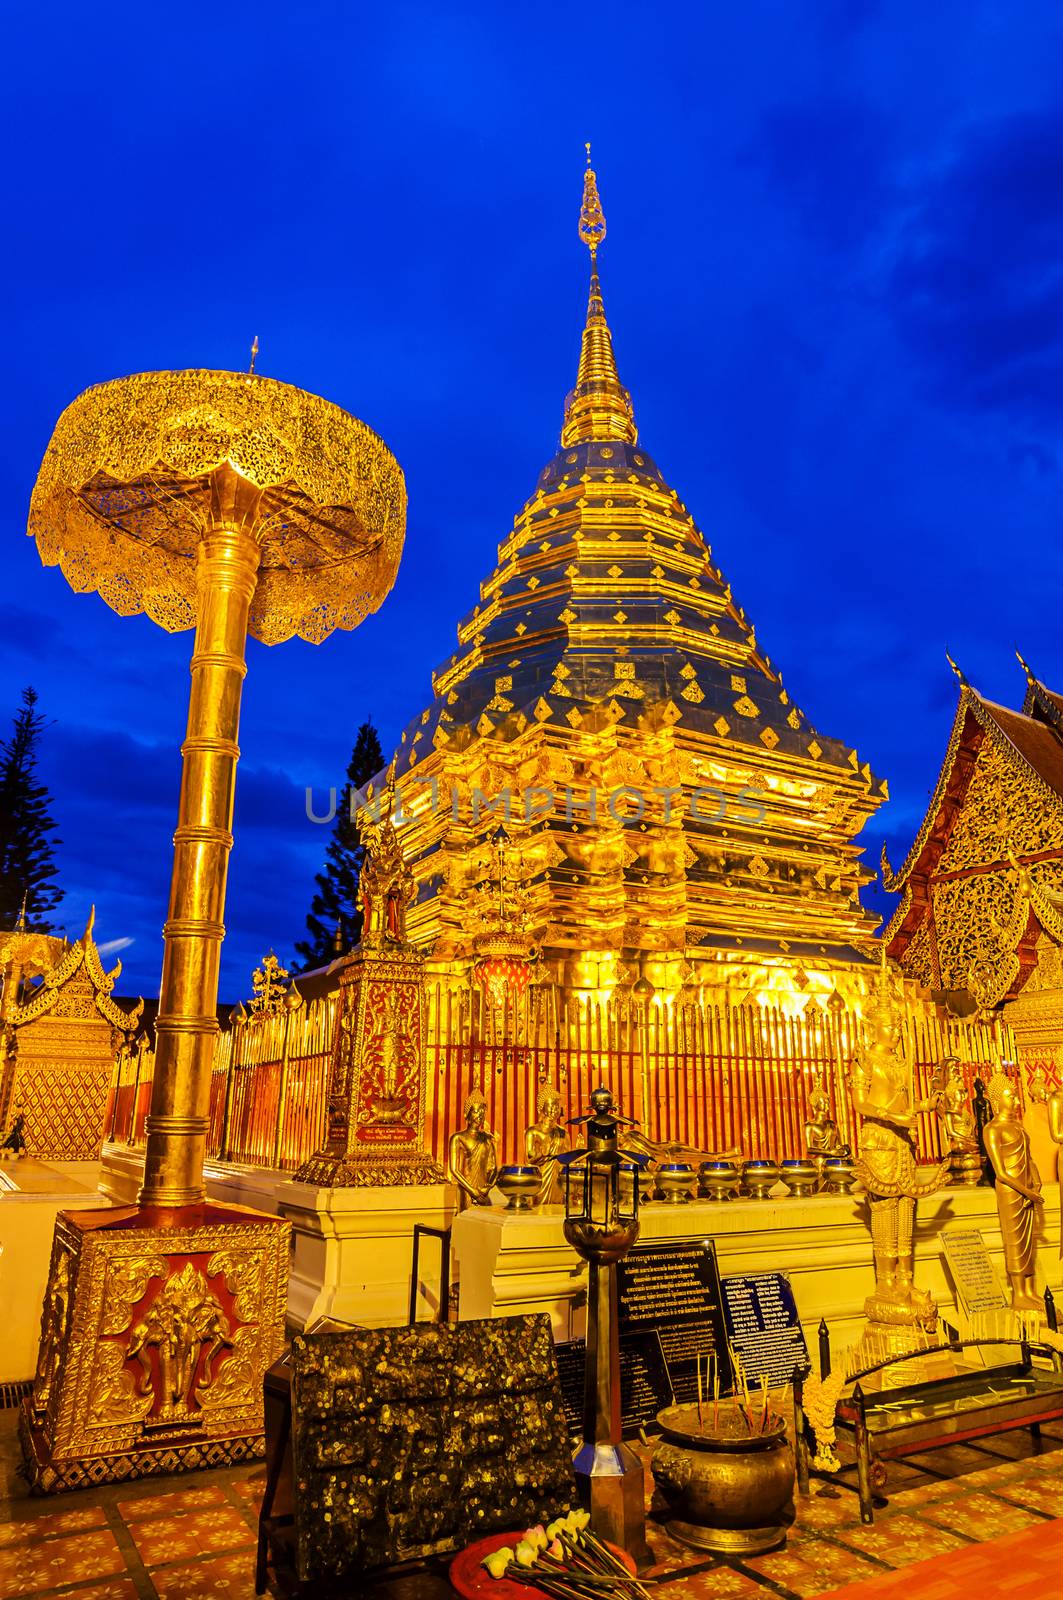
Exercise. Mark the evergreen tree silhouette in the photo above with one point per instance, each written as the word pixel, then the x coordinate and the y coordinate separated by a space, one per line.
pixel 335 915
pixel 27 849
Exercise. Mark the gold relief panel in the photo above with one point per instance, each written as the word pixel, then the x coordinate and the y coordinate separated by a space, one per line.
pixel 1002 808
pixel 154 1333
pixel 237 1381
pixel 125 1285
pixel 55 1323
pixel 242 1271
pixel 973 919
pixel 1047 975
pixel 918 960
pixel 116 1400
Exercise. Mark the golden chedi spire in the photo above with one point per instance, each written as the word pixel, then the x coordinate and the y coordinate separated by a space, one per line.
pixel 599 407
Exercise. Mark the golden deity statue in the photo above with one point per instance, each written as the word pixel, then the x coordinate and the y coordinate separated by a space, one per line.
pixel 884 1101
pixel 386 885
pixel 544 1140
pixel 953 1107
pixel 1018 1191
pixel 472 1154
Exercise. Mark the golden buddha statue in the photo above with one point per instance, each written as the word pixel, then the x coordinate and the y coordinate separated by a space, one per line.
pixel 472 1153
pixel 1018 1191
pixel 883 1099
pixel 953 1106
pixel 822 1138
pixel 544 1140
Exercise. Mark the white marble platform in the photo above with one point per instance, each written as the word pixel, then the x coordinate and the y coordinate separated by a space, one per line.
pixel 518 1261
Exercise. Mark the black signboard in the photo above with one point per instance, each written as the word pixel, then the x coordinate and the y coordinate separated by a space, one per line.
pixel 764 1326
pixel 672 1288
pixel 645 1386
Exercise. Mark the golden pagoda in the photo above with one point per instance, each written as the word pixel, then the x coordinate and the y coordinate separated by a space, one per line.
pixel 676 816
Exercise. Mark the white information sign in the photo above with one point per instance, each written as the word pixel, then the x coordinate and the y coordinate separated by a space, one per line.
pixel 978 1288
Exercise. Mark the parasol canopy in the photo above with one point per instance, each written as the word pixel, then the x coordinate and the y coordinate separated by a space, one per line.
pixel 123 498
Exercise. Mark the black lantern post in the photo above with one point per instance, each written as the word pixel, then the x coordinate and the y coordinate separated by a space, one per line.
pixel 601 1223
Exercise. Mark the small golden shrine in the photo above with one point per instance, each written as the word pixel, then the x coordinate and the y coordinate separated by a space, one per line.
pixel 377 1091
pixel 980 922
pixel 61 1031
pixel 677 817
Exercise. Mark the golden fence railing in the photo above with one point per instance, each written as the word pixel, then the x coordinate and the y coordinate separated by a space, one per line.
pixel 721 1078
pixel 130 1094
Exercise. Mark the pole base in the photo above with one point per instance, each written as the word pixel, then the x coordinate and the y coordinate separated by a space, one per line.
pixel 611 1482
pixel 156 1333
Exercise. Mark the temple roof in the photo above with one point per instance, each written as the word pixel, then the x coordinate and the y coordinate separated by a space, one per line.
pixel 1034 735
pixel 606 598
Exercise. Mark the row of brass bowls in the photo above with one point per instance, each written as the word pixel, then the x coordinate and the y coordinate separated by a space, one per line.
pixel 716 1180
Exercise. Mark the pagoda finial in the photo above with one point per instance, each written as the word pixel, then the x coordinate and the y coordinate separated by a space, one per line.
pixel 591 215
pixel 1031 676
pixel 599 407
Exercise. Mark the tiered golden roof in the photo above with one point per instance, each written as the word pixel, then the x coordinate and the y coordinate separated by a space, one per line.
pixel 608 657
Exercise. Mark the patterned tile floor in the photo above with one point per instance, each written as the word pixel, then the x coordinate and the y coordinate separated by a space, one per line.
pixel 977 1521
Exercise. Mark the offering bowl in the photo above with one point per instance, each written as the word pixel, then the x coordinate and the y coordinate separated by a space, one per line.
pixel 520 1185
pixel 800 1176
pixel 717 1180
pixel 759 1178
pixel 674 1181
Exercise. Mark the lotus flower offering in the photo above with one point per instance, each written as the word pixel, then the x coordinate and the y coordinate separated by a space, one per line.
pixel 565 1559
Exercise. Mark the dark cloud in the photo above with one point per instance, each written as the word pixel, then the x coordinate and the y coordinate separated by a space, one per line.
pixel 828 160
pixel 977 285
pixel 115 800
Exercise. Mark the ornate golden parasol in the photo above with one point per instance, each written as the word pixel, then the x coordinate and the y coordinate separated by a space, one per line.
pixel 236 505
pixel 133 480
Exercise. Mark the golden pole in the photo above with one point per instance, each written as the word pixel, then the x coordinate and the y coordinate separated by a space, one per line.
pixel 226 574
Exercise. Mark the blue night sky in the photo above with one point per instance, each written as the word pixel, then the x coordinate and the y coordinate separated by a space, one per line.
pixel 834 274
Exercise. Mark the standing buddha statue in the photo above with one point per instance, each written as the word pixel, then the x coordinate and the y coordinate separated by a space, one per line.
pixel 472 1153
pixel 1054 1103
pixel 1018 1190
pixel 883 1099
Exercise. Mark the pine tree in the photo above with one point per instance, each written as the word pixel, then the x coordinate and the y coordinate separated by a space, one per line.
pixel 27 850
pixel 335 905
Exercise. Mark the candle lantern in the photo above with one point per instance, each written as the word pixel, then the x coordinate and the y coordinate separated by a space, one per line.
pixel 504 953
pixel 601 1224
